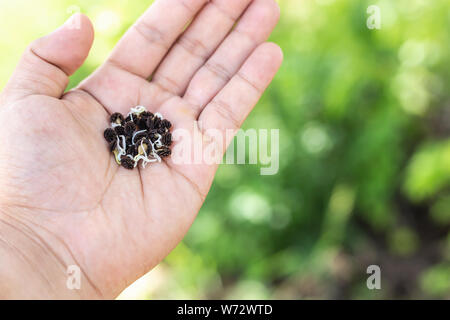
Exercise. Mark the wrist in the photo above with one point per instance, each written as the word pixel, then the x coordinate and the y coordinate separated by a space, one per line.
pixel 34 267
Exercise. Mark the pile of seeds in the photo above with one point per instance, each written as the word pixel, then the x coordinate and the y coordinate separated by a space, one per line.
pixel 140 136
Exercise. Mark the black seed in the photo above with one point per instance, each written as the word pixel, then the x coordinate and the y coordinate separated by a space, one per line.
pixel 164 152
pixel 128 141
pixel 130 128
pixel 166 124
pixel 142 123
pixel 147 114
pixel 132 150
pixel 157 122
pixel 128 119
pixel 117 118
pixel 113 145
pixel 167 139
pixel 162 130
pixel 110 135
pixel 120 131
pixel 140 136
pixel 127 162
pixel 150 123
pixel 153 135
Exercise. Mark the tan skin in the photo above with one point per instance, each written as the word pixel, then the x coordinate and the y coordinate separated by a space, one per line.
pixel 63 199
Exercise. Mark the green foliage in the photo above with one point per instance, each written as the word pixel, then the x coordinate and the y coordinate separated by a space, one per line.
pixel 428 171
pixel 364 155
pixel 403 242
pixel 440 211
pixel 436 280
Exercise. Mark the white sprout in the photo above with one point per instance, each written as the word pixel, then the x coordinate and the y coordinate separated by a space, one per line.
pixel 158 158
pixel 122 150
pixel 136 110
pixel 145 160
pixel 144 157
pixel 155 154
pixel 142 147
pixel 136 133
pixel 158 144
pixel 159 115
pixel 124 140
pixel 158 141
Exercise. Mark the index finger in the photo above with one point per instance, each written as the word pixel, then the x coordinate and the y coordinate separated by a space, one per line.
pixel 145 44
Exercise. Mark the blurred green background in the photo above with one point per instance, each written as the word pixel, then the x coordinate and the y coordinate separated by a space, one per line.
pixel 364 119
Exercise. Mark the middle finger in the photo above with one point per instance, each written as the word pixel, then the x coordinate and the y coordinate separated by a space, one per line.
pixel 197 44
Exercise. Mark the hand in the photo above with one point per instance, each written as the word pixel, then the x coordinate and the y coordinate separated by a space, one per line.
pixel 63 199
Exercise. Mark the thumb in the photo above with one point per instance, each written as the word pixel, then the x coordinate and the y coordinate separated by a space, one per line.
pixel 48 62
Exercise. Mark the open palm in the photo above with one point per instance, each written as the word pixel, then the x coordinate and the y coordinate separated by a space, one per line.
pixel 60 185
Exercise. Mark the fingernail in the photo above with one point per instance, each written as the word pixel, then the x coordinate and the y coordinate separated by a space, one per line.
pixel 74 22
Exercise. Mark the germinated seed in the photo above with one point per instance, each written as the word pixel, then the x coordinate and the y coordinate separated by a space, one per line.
pixel 140 136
